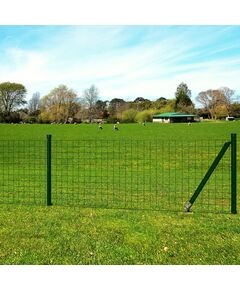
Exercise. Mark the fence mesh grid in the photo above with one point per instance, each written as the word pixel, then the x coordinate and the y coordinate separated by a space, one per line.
pixel 23 171
pixel 130 174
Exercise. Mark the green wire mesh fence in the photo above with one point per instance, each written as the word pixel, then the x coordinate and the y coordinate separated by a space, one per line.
pixel 23 171
pixel 123 174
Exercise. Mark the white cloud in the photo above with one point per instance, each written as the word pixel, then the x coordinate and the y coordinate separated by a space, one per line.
pixel 25 66
pixel 154 67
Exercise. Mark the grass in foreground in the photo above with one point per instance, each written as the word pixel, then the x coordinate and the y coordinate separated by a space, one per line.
pixel 64 235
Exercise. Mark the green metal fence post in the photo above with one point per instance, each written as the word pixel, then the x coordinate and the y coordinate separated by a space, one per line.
pixel 211 169
pixel 49 175
pixel 234 173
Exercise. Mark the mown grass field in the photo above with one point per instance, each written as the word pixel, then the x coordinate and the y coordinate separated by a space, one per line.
pixel 205 130
pixel 77 235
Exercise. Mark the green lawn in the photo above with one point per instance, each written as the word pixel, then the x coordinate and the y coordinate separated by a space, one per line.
pixel 154 167
pixel 64 235
pixel 206 130
pixel 131 172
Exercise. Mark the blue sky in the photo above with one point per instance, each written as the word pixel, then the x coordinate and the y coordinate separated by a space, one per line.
pixel 122 61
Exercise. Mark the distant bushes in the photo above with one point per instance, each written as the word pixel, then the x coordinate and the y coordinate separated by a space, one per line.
pixel 112 120
pixel 144 116
pixel 129 116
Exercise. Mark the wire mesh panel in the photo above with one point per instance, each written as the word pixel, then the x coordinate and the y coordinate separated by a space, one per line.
pixel 22 171
pixel 216 195
pixel 148 174
pixel 131 174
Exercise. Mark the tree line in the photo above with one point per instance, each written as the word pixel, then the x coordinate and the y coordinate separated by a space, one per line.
pixel 64 105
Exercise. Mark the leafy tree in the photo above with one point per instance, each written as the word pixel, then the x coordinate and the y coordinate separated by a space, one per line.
pixel 140 104
pixel 34 104
pixel 115 105
pixel 183 97
pixel 228 98
pixel 211 101
pixel 221 111
pixel 140 99
pixel 60 104
pixel 235 110
pixel 13 117
pixel 12 95
pixel 101 109
pixel 161 99
pixel 202 112
pixel 168 107
pixel 217 102
pixel 90 97
pixel 44 117
pixel 159 103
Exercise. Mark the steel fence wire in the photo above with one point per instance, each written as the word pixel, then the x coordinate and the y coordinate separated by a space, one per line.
pixel 147 174
pixel 22 171
pixel 121 174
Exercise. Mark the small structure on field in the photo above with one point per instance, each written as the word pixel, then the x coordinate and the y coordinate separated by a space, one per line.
pixel 228 118
pixel 173 118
